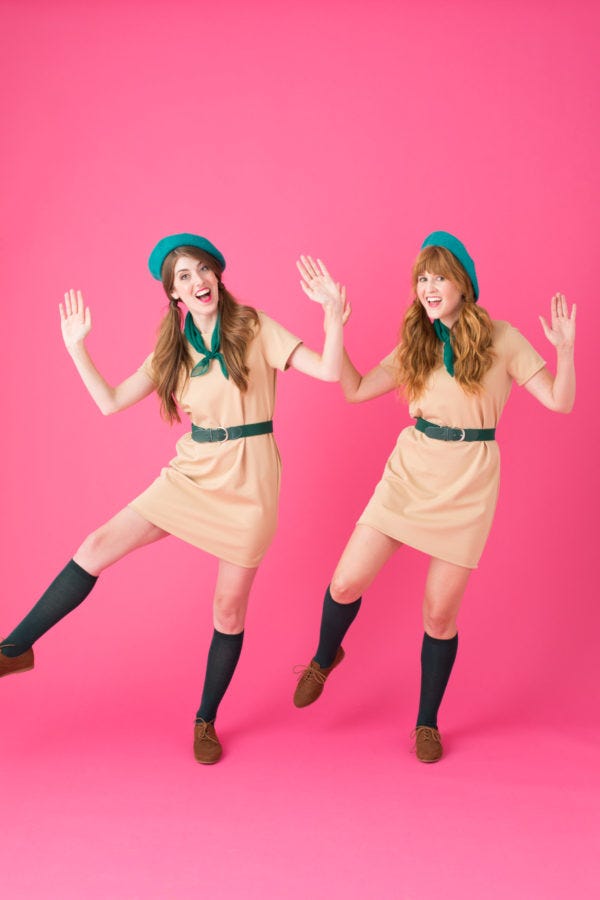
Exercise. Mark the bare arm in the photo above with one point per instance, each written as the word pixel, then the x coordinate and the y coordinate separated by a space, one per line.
pixel 357 388
pixel 557 393
pixel 319 286
pixel 76 324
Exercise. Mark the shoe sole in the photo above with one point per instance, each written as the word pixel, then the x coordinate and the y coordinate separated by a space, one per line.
pixel 17 671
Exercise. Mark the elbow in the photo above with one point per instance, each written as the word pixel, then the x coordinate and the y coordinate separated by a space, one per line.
pixel 108 408
pixel 565 404
pixel 327 373
pixel 566 408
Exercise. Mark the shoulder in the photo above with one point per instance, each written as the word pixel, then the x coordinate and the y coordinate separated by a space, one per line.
pixel 276 342
pixel 147 367
pixel 501 328
pixel 505 334
pixel 514 351
pixel 265 320
pixel 268 326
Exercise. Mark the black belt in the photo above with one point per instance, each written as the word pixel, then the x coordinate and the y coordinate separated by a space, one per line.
pixel 231 433
pixel 443 433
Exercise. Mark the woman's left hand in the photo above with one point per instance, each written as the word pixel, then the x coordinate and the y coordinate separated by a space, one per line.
pixel 318 285
pixel 561 331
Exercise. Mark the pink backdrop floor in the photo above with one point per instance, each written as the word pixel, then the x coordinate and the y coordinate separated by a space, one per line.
pixel 348 130
pixel 328 802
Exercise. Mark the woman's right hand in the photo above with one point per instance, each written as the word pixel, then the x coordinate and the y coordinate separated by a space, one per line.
pixel 75 319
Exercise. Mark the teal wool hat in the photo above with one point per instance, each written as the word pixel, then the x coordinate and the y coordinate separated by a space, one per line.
pixel 458 249
pixel 171 242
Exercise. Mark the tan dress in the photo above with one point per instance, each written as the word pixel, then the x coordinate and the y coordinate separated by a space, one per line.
pixel 223 497
pixel 440 496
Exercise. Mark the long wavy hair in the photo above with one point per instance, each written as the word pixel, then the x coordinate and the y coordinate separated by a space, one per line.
pixel 420 351
pixel 172 359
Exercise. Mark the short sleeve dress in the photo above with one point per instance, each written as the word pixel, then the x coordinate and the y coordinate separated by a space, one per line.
pixel 223 497
pixel 440 496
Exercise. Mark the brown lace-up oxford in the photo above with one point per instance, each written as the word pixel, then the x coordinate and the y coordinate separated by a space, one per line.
pixel 428 744
pixel 312 680
pixel 207 747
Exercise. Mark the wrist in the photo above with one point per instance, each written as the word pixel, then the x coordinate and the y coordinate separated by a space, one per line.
pixel 566 352
pixel 75 350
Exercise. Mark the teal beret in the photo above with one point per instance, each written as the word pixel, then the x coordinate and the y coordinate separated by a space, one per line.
pixel 458 249
pixel 172 241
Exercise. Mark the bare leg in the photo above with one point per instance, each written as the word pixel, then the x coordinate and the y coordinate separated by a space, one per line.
pixel 230 601
pixel 123 533
pixel 229 615
pixel 365 554
pixel 444 591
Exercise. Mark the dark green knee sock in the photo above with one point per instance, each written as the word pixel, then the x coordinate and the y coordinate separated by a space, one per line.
pixel 223 657
pixel 336 619
pixel 437 659
pixel 68 590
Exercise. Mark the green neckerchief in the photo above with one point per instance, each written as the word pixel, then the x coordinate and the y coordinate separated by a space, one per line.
pixel 197 341
pixel 443 332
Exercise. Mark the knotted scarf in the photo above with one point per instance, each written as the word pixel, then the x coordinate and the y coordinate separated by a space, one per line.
pixel 197 341
pixel 443 333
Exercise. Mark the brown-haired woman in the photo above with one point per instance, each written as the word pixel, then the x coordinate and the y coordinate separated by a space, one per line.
pixel 220 491
pixel 439 487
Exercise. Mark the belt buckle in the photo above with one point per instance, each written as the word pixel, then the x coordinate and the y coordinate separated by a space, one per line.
pixel 463 434
pixel 226 430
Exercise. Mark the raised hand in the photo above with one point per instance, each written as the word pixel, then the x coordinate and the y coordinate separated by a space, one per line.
pixel 561 331
pixel 75 319
pixel 318 285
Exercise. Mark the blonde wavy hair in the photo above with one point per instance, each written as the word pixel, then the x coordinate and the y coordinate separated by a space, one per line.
pixel 420 351
pixel 172 359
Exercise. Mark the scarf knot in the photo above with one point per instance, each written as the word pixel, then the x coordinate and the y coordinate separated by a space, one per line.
pixel 443 333
pixel 197 341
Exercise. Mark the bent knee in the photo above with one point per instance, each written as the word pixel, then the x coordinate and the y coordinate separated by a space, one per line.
pixel 344 589
pixel 440 625
pixel 89 553
pixel 229 615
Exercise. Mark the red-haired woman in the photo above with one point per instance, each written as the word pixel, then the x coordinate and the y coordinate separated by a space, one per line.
pixel 439 487
pixel 220 491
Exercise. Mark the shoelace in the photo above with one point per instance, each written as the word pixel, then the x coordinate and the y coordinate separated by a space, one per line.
pixel 427 734
pixel 307 672
pixel 204 735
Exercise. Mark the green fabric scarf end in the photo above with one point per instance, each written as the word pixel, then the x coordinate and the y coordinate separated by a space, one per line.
pixel 197 341
pixel 443 333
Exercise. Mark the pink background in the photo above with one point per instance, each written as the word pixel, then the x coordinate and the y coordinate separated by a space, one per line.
pixel 348 130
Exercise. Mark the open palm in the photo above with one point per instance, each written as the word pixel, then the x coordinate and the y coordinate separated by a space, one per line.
pixel 561 331
pixel 75 318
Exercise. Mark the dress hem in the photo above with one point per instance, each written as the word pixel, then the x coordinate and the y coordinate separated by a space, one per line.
pixel 410 542
pixel 156 520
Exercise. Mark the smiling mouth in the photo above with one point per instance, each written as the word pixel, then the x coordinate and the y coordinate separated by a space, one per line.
pixel 433 302
pixel 204 296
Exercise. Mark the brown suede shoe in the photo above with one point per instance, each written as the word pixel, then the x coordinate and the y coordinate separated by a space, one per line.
pixel 12 664
pixel 428 744
pixel 312 680
pixel 207 747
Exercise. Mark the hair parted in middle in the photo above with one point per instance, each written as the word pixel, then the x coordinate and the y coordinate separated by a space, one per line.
pixel 420 351
pixel 172 359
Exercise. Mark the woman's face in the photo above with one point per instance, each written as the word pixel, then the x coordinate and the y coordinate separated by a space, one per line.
pixel 196 285
pixel 439 297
